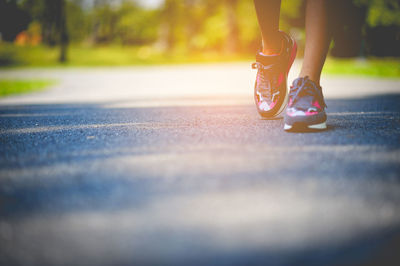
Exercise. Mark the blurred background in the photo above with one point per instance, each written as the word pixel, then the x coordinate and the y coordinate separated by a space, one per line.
pixel 127 32
pixel 107 161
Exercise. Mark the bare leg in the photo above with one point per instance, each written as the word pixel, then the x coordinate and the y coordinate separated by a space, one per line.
pixel 317 39
pixel 268 19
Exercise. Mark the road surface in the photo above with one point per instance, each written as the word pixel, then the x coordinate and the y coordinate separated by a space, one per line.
pixel 172 165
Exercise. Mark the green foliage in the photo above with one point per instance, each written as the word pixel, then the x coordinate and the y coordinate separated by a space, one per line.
pixel 104 19
pixel 177 28
pixel 249 31
pixel 78 21
pixel 136 25
pixel 180 27
pixel 213 33
pixel 106 22
pixel 206 25
pixel 110 55
pixel 127 23
pixel 381 12
pixel 8 55
pixel 35 8
pixel 11 55
pixel 289 10
pixel 173 24
pixel 50 15
pixel 8 87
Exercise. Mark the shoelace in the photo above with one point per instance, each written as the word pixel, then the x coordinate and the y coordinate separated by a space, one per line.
pixel 267 79
pixel 306 88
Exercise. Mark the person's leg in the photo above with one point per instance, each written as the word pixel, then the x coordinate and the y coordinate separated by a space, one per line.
pixel 306 108
pixel 268 19
pixel 273 62
pixel 318 38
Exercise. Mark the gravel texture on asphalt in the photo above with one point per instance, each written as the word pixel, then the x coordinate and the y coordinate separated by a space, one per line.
pixel 92 184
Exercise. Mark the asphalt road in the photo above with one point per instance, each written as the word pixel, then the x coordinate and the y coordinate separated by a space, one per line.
pixel 197 180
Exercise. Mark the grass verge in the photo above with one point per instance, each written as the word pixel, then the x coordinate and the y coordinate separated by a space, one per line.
pixel 373 67
pixel 9 87
pixel 113 55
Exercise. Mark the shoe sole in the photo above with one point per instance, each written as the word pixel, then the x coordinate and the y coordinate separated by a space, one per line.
pixel 284 104
pixel 302 126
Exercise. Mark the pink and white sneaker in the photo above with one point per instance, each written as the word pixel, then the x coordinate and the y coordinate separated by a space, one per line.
pixel 306 108
pixel 270 89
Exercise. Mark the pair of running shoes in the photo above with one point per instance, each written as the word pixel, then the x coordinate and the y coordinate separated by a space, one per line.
pixel 305 101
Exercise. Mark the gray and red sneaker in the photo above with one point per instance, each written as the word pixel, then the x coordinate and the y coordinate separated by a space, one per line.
pixel 306 108
pixel 270 89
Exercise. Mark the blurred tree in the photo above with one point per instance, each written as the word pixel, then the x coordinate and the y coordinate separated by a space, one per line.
pixel 195 13
pixel 346 24
pixel 61 23
pixel 104 19
pixel 233 41
pixel 173 23
pixel 249 32
pixel 13 20
pixel 186 26
pixel 381 12
pixel 53 20
pixel 205 25
pixel 382 29
pixel 292 15
pixel 135 25
pixel 127 23
pixel 78 20
pixel 214 33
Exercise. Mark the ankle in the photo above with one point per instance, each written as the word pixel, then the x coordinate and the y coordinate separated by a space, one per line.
pixel 313 78
pixel 272 47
